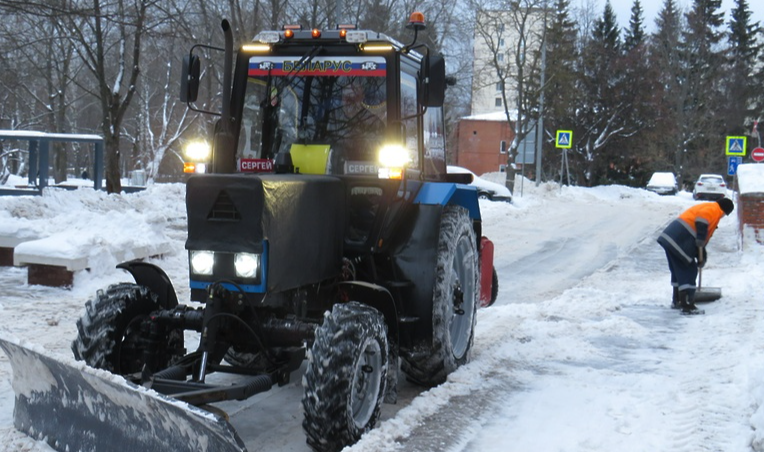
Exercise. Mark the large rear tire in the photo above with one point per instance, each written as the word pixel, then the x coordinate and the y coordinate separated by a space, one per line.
pixel 494 287
pixel 346 377
pixel 455 302
pixel 109 336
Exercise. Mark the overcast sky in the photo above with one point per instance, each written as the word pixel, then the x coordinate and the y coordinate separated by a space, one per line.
pixel 651 8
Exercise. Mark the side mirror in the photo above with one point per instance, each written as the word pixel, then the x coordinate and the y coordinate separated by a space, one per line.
pixel 189 81
pixel 434 81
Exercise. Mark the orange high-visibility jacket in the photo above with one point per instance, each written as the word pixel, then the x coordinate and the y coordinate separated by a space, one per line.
pixel 703 219
pixel 692 229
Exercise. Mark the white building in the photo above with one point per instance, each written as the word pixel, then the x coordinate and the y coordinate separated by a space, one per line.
pixel 507 45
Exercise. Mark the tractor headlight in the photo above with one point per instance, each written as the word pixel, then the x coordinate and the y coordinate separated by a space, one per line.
pixel 246 264
pixel 393 158
pixel 202 262
pixel 198 151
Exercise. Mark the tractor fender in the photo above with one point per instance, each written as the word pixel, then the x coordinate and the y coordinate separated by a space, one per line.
pixel 445 193
pixel 377 297
pixel 439 193
pixel 155 279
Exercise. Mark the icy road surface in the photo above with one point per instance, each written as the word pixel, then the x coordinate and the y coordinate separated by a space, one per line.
pixel 580 352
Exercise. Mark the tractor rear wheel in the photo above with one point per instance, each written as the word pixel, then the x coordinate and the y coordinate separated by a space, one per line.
pixel 346 377
pixel 455 302
pixel 109 334
pixel 494 287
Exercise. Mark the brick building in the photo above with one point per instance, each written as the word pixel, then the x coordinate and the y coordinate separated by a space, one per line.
pixel 749 183
pixel 483 142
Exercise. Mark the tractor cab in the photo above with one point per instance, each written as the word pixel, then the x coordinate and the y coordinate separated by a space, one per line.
pixel 342 102
pixel 329 124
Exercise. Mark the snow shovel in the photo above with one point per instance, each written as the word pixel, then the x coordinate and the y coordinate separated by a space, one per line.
pixel 706 294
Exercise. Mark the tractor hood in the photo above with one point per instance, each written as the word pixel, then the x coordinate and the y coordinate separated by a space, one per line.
pixel 301 217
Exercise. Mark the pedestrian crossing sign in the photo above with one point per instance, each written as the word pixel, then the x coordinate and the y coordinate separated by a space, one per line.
pixel 564 139
pixel 736 146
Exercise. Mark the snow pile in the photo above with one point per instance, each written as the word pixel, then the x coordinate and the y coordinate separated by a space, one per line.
pixel 90 224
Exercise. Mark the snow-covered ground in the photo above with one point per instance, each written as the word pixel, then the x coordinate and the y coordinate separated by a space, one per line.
pixel 580 352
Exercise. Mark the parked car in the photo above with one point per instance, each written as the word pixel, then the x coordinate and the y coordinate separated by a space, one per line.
pixel 486 189
pixel 663 183
pixel 709 186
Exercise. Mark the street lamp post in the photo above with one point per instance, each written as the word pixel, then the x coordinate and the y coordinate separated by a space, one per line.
pixel 540 126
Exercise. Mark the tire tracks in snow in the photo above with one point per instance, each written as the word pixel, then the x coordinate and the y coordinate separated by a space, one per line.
pixel 712 395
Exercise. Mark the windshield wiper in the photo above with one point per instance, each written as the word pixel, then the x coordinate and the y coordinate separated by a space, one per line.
pixel 270 91
pixel 287 79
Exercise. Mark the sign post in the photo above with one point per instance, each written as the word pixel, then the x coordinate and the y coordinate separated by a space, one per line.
pixel 564 140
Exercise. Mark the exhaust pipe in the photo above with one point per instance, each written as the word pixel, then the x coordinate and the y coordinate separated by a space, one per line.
pixel 227 70
pixel 224 158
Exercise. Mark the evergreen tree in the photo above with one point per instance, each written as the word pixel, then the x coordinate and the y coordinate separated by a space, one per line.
pixel 561 76
pixel 741 86
pixel 606 31
pixel 703 62
pixel 601 114
pixel 665 60
pixel 759 99
pixel 630 162
pixel 635 34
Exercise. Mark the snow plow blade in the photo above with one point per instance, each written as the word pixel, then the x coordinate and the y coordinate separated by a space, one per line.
pixel 77 408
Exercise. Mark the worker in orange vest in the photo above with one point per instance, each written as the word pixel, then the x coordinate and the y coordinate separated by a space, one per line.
pixel 685 240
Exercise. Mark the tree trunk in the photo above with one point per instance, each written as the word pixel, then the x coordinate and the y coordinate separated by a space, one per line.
pixel 111 161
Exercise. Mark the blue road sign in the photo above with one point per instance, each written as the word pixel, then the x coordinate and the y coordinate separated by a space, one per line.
pixel 732 164
pixel 736 146
pixel 564 139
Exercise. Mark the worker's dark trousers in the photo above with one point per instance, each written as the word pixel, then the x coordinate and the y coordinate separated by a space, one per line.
pixel 683 275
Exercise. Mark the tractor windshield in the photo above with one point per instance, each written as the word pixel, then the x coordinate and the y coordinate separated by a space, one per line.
pixel 329 113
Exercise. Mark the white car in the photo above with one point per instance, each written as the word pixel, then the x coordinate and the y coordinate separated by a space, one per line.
pixel 709 186
pixel 486 189
pixel 663 183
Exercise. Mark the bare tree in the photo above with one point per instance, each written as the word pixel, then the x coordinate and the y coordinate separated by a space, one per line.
pixel 48 56
pixel 509 35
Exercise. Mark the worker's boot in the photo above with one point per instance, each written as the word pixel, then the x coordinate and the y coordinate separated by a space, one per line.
pixel 675 299
pixel 687 302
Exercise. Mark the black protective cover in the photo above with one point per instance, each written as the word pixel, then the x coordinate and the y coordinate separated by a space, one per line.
pixel 415 258
pixel 301 216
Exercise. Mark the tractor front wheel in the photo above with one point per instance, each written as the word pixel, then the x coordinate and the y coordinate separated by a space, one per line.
pixel 109 334
pixel 346 377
